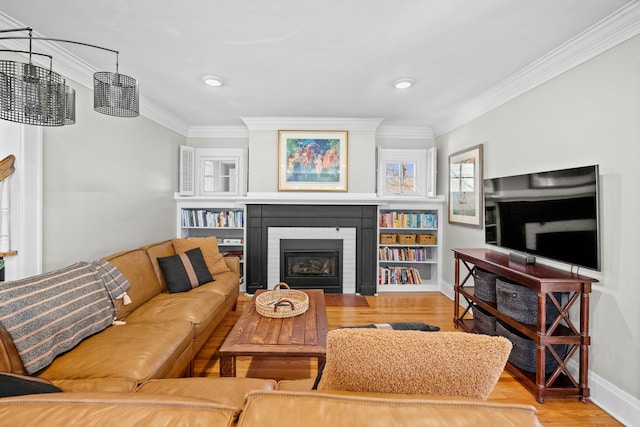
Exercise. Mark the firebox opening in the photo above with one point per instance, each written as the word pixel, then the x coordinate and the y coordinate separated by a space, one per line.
pixel 312 264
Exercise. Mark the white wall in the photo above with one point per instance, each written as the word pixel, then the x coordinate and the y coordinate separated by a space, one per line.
pixel 589 115
pixel 108 185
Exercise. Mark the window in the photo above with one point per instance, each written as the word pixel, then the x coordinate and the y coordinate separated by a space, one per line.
pixel 217 172
pixel 409 172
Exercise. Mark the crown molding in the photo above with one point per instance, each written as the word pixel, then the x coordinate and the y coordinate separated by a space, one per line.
pixel 154 112
pixel 405 132
pixel 311 123
pixel 276 123
pixel 218 132
pixel 618 27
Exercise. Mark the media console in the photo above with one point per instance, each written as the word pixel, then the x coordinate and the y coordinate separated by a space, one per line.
pixel 545 281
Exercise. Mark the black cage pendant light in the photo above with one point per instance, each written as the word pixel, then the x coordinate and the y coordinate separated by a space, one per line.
pixel 115 94
pixel 35 95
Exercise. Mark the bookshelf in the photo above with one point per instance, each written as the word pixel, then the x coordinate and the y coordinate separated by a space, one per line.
pixel 409 247
pixel 204 217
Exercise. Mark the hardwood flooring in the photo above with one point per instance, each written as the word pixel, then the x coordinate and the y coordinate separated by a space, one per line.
pixel 429 307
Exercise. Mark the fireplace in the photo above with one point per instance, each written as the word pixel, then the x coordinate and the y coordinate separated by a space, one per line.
pixel 353 226
pixel 312 264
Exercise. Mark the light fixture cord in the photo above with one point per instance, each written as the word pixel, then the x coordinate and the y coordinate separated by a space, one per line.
pixel 30 44
pixel 31 38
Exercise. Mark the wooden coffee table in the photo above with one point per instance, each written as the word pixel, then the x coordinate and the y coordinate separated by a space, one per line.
pixel 255 335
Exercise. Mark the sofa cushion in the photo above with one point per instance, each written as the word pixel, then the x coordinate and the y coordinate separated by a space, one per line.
pixel 210 251
pixel 226 284
pixel 136 266
pixel 414 362
pixel 137 351
pixel 283 409
pixel 185 271
pixel 18 385
pixel 226 391
pixel 198 309
pixel 159 250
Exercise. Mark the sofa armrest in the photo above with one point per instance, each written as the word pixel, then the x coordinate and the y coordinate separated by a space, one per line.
pixel 233 262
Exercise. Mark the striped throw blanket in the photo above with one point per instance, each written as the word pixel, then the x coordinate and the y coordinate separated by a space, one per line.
pixel 51 313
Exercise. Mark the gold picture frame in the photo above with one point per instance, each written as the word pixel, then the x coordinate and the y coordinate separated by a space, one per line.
pixel 312 160
pixel 465 187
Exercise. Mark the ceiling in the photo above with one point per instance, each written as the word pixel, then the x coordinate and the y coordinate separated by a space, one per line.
pixel 305 58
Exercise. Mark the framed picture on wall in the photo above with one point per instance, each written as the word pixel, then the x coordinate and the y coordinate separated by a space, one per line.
pixel 312 160
pixel 465 187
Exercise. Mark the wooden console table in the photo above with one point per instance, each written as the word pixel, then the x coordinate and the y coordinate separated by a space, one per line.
pixel 544 280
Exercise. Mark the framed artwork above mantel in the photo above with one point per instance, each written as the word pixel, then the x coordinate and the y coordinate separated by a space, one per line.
pixel 312 160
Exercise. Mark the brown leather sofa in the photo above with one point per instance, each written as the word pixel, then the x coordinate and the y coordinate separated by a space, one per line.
pixel 247 402
pixel 157 335
pixel 127 375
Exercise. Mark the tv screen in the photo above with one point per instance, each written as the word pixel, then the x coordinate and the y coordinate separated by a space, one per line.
pixel 551 214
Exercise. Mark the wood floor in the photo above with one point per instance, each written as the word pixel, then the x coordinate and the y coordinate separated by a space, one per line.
pixel 430 307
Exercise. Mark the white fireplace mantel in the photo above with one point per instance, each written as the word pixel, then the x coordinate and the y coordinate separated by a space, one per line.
pixel 304 198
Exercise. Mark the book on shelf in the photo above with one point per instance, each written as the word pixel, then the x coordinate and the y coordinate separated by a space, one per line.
pixel 403 254
pixel 398 275
pixel 212 219
pixel 232 241
pixel 396 219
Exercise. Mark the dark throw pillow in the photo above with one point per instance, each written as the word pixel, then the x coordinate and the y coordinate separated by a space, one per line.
pixel 185 271
pixel 19 385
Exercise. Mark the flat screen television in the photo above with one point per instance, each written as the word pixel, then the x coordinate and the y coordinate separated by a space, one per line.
pixel 552 214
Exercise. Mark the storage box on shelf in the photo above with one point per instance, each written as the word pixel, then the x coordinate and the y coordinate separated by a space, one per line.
pixel 408 247
pixel 202 217
pixel 545 338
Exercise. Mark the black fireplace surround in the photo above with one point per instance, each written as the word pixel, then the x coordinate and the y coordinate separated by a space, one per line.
pixel 361 217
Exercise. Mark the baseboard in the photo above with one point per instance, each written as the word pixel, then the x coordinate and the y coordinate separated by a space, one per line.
pixel 611 399
pixel 616 402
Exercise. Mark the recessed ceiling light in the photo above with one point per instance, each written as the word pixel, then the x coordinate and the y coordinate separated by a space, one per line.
pixel 403 83
pixel 212 80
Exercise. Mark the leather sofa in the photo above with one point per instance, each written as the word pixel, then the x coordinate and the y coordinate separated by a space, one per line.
pixel 156 335
pixel 130 374
pixel 247 402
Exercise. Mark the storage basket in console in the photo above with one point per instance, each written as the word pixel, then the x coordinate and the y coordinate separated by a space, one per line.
pixel 523 353
pixel 483 322
pixel 521 303
pixel 484 285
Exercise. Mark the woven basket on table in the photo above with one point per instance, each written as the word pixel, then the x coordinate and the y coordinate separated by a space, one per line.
pixel 282 302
